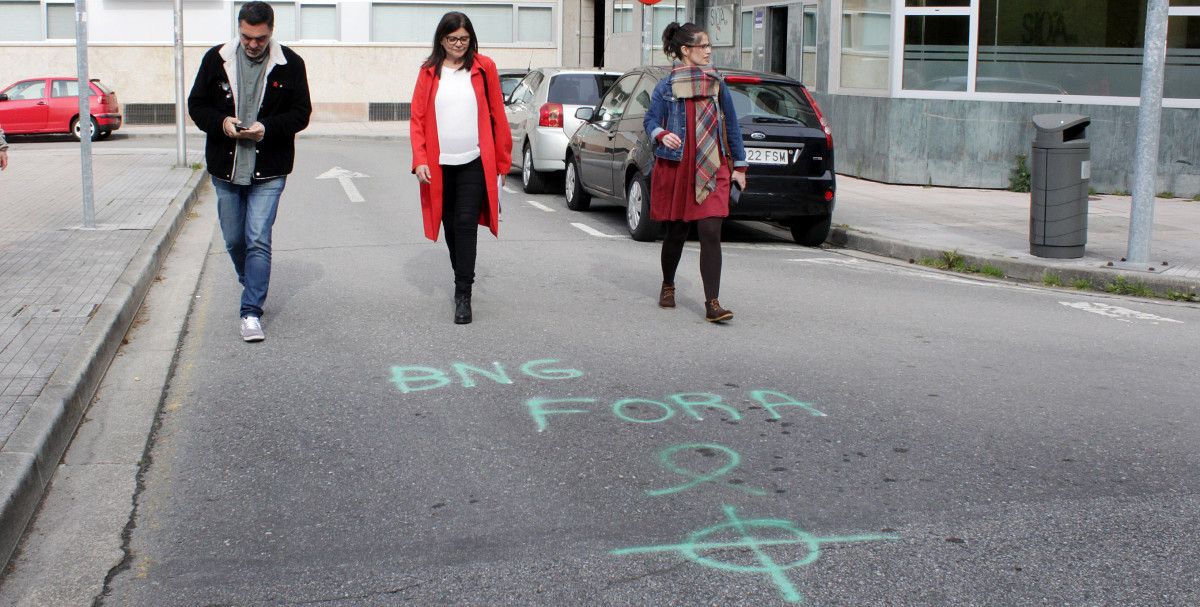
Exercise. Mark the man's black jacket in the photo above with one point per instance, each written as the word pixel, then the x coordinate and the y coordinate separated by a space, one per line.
pixel 284 110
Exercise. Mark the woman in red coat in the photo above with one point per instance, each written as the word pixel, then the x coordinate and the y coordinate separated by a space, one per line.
pixel 462 164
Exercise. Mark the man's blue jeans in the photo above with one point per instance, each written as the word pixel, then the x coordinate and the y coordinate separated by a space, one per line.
pixel 247 214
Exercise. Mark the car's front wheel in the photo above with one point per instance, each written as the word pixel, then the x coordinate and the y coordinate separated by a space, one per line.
pixel 637 209
pixel 577 198
pixel 77 128
pixel 811 231
pixel 531 180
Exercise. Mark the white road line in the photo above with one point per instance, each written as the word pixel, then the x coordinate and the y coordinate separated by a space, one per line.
pixel 589 230
pixel 1117 312
pixel 509 190
pixel 537 205
pixel 827 260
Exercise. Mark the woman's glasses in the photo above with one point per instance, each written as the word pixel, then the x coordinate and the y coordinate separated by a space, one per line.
pixel 704 47
pixel 457 39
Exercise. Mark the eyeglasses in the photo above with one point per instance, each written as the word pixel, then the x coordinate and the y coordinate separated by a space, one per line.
pixel 457 39
pixel 699 46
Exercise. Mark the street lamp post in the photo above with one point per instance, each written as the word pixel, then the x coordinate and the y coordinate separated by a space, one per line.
pixel 180 125
pixel 1141 213
pixel 85 114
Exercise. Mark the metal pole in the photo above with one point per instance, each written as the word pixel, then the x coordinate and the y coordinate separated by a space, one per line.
pixel 85 114
pixel 180 125
pixel 1141 214
pixel 647 26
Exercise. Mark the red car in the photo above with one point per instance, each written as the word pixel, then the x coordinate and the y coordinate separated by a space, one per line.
pixel 51 105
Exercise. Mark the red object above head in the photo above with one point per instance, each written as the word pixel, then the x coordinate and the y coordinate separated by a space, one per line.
pixel 649 2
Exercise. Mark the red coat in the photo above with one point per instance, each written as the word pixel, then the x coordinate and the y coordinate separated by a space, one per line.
pixel 495 142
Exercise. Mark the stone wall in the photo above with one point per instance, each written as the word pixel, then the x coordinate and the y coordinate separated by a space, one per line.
pixel 975 143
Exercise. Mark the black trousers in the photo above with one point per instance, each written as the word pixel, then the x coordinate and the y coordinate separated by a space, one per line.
pixel 463 195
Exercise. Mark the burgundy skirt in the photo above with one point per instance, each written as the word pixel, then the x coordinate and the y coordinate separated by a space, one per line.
pixel 673 186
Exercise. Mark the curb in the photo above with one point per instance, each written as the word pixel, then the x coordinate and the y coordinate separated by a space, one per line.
pixel 33 451
pixel 1028 270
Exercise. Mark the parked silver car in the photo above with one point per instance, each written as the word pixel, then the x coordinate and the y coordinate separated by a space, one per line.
pixel 541 116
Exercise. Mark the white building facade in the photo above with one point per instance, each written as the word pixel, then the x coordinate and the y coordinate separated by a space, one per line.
pixel 362 56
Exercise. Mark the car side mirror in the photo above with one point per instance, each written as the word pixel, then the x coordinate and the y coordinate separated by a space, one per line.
pixel 585 113
pixel 3 97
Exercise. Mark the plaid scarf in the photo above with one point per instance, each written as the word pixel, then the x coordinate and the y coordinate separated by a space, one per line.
pixel 702 84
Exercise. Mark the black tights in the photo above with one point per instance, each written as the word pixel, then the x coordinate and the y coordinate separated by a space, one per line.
pixel 463 196
pixel 710 252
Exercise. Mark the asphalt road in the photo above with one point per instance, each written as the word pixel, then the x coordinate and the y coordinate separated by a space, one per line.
pixel 862 433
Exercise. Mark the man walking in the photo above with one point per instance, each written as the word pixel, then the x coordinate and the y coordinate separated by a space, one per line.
pixel 251 98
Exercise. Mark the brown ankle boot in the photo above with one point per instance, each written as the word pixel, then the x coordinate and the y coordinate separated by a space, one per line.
pixel 666 297
pixel 713 312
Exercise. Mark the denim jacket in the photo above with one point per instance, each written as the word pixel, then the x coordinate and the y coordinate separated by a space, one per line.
pixel 670 114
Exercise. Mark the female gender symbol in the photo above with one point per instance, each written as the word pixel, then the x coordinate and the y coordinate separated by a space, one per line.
pixel 732 460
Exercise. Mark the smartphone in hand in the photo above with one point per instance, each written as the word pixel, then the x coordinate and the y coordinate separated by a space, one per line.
pixel 239 127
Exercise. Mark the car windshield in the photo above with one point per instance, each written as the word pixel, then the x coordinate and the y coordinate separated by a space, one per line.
pixel 579 89
pixel 103 89
pixel 508 83
pixel 772 102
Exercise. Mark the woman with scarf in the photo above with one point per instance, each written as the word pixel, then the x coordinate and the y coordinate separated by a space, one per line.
pixel 461 147
pixel 698 153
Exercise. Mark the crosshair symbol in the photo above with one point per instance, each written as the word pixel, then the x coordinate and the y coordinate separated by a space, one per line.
pixel 755 535
pixel 732 459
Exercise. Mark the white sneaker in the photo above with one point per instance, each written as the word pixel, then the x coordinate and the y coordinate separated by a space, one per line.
pixel 252 329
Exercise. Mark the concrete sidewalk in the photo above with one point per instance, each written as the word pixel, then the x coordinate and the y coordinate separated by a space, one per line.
pixel 68 295
pixel 992 227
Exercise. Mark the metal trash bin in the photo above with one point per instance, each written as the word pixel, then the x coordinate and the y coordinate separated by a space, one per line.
pixel 1060 174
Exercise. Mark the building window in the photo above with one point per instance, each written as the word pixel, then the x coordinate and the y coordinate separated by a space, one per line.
pixel 1183 57
pixel 622 18
pixel 866 40
pixel 494 23
pixel 285 20
pixel 936 52
pixel 661 16
pixel 21 21
pixel 60 21
pixel 746 34
pixel 318 22
pixel 808 65
pixel 535 24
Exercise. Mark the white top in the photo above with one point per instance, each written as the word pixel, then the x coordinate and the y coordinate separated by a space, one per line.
pixel 458 118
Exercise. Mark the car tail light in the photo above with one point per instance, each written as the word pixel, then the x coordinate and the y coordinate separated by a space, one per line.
pixel 820 117
pixel 828 195
pixel 551 115
pixel 743 79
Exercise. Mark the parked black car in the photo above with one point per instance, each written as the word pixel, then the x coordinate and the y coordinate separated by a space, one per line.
pixel 788 144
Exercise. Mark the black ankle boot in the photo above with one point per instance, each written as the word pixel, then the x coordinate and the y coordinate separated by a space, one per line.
pixel 462 309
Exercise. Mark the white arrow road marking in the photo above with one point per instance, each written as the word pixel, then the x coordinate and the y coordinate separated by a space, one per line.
pixel 537 205
pixel 1116 312
pixel 589 230
pixel 343 176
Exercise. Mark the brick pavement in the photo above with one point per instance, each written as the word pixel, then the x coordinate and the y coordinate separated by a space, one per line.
pixel 53 272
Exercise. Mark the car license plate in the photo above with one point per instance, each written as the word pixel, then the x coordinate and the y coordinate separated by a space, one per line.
pixel 766 156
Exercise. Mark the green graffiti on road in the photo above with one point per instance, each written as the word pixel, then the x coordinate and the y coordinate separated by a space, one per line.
pixel 732 459
pixel 642 411
pixel 759 536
